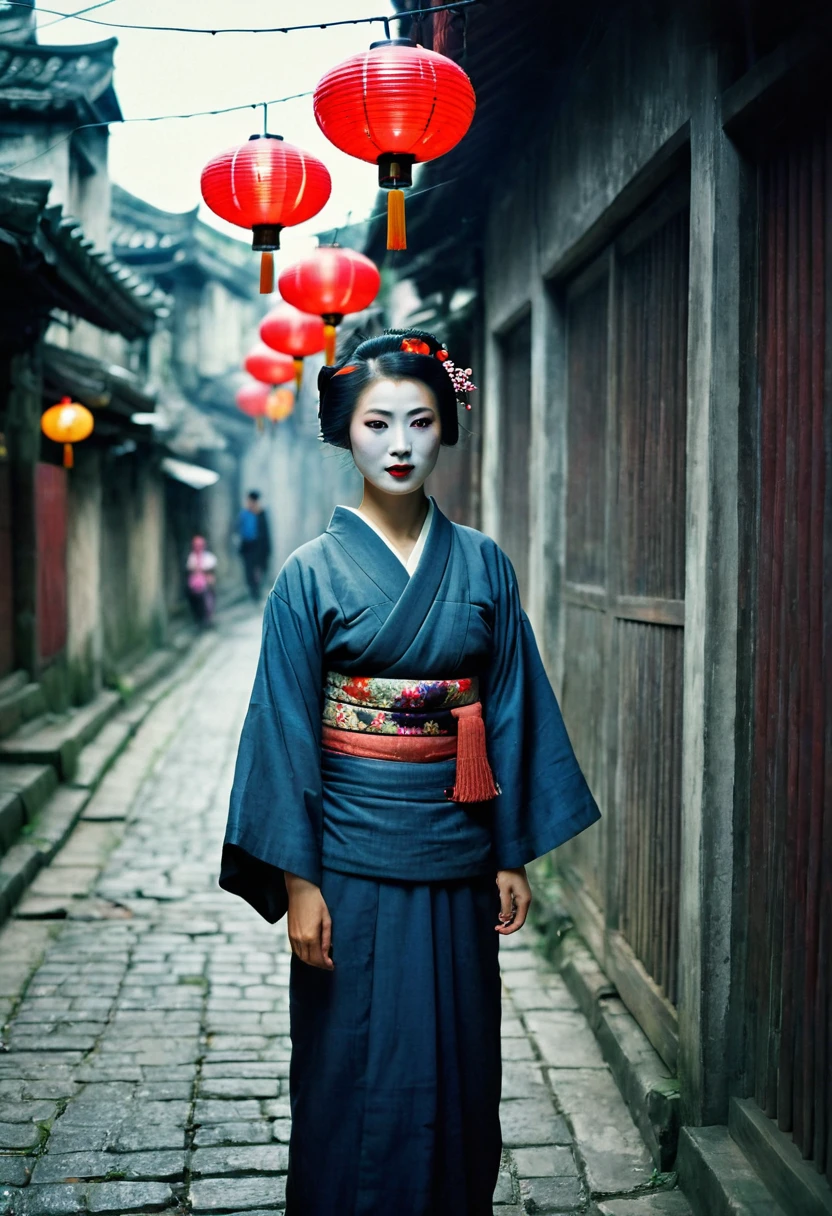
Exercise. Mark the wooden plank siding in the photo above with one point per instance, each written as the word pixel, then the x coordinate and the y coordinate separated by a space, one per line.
pixel 788 1017
pixel 624 600
pixel 515 438
pixel 6 585
pixel 50 514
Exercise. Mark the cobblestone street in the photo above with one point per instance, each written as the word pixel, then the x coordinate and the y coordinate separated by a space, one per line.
pixel 147 1028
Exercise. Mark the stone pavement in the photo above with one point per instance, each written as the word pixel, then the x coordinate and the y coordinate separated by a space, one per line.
pixel 146 1056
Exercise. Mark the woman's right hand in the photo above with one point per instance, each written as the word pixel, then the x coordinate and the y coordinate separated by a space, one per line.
pixel 310 925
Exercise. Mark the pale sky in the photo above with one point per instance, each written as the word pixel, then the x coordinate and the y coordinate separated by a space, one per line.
pixel 165 73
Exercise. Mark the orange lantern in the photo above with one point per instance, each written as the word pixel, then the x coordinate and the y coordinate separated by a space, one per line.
pixel 280 404
pixel 67 422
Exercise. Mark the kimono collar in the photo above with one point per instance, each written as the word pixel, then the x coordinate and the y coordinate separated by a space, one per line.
pixel 413 595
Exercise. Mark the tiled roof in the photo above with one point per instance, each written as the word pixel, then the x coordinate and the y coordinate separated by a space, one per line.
pixel 160 243
pixel 57 266
pixel 75 81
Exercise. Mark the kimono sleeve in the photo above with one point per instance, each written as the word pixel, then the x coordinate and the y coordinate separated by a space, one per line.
pixel 544 799
pixel 274 821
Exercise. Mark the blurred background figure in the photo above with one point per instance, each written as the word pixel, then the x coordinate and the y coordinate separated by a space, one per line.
pixel 255 542
pixel 200 566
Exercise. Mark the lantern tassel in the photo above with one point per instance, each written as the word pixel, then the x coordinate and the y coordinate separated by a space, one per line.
pixel 298 373
pixel 396 230
pixel 259 424
pixel 266 273
pixel 69 456
pixel 329 349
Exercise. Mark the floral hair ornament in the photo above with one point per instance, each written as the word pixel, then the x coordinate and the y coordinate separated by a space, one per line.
pixel 460 377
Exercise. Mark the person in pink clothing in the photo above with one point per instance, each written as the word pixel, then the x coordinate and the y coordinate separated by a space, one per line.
pixel 201 566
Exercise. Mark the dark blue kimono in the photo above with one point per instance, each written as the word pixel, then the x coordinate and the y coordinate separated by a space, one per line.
pixel 395 1078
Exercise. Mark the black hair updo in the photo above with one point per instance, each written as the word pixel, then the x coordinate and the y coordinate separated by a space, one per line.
pixel 382 358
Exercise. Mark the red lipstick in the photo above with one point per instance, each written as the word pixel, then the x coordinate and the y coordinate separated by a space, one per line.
pixel 399 470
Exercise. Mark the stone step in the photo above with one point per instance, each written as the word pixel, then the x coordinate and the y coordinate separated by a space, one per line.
pixel 49 830
pixel 793 1181
pixel 648 1086
pixel 718 1178
pixel 24 789
pixel 661 1203
pixel 19 703
pixel 58 740
pixel 81 746
pixel 98 756
pixel 13 683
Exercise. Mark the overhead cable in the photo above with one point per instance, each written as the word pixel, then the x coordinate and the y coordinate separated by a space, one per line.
pixel 84 126
pixel 385 19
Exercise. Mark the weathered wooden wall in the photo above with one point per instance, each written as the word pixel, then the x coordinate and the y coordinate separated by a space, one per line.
pixel 6 586
pixel 789 890
pixel 626 319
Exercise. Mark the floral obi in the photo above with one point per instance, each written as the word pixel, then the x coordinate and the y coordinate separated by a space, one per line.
pixel 416 721
pixel 395 707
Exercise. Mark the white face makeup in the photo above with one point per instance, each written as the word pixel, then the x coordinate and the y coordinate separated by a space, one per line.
pixel 395 435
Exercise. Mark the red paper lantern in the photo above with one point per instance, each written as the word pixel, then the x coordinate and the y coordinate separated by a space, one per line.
pixel 331 282
pixel 395 105
pixel 268 365
pixel 265 185
pixel 253 399
pixel 294 333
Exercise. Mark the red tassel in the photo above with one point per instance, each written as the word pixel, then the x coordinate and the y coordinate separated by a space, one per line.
pixel 396 228
pixel 266 273
pixel 474 778
pixel 69 456
pixel 298 372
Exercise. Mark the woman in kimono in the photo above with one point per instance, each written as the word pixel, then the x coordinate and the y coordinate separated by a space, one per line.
pixel 403 757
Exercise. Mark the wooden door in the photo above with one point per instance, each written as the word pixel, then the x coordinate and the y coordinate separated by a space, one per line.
pixel 624 601
pixel 788 1015
pixel 50 521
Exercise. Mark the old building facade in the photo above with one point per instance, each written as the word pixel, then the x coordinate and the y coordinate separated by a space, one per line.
pixel 646 206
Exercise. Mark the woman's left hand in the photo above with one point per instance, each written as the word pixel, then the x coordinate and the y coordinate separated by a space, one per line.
pixel 515 898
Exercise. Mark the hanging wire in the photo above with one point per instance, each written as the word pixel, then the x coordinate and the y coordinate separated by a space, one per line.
pixel 277 29
pixel 84 126
pixel 68 16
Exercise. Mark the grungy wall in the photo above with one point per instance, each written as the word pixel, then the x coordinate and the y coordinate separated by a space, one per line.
pixel 132 561
pixel 83 556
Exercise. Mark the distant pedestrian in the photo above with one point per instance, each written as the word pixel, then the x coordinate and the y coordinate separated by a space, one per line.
pixel 255 542
pixel 201 567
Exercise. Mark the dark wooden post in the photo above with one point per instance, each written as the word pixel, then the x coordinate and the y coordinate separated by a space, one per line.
pixel 712 557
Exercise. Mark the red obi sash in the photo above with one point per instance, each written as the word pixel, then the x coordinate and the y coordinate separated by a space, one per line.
pixel 416 721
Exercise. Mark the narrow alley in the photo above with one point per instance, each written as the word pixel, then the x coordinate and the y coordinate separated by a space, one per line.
pixel 146 1049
